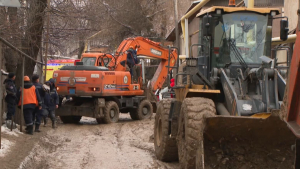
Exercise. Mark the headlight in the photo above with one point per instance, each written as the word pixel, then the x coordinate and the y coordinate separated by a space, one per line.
pixel 191 62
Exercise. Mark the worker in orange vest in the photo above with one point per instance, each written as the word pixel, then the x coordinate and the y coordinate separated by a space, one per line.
pixel 31 100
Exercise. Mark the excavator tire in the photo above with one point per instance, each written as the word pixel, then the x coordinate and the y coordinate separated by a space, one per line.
pixel 111 112
pixel 144 111
pixel 165 146
pixel 70 119
pixel 193 114
pixel 100 120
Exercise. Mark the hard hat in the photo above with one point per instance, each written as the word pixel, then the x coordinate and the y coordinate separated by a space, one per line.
pixel 26 79
pixel 131 47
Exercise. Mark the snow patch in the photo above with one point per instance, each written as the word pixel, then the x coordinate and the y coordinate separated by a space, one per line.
pixel 5 146
pixel 14 132
pixel 88 120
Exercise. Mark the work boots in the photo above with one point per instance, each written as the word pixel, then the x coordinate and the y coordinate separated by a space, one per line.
pixel 37 128
pixel 29 130
pixel 53 124
pixel 45 122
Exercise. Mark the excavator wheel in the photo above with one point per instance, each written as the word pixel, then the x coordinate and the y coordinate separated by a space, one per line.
pixel 70 119
pixel 144 111
pixel 111 112
pixel 100 120
pixel 193 113
pixel 165 146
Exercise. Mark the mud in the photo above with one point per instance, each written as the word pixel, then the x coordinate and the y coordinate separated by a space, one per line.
pixel 249 143
pixel 127 144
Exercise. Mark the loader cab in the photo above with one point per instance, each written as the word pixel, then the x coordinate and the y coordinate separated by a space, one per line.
pixel 233 38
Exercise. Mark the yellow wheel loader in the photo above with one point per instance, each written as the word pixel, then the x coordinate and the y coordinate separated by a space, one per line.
pixel 227 113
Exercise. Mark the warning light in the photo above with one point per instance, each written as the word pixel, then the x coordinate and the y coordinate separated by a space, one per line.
pixel 53 64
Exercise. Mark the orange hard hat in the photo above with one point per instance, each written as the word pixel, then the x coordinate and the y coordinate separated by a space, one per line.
pixel 26 79
pixel 131 47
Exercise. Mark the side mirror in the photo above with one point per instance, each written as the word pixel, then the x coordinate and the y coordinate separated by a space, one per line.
pixel 284 30
pixel 207 25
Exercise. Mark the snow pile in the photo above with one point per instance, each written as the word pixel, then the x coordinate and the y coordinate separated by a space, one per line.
pixel 88 120
pixel 5 145
pixel 14 132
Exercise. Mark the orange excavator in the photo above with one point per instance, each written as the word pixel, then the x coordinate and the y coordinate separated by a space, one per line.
pixel 101 87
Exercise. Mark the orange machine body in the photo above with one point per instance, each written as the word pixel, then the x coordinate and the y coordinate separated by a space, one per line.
pixel 99 59
pixel 96 83
pixel 100 83
pixel 149 49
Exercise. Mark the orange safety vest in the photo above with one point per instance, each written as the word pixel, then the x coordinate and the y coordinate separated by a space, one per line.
pixel 29 96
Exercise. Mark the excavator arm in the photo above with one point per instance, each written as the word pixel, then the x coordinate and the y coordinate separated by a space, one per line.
pixel 149 49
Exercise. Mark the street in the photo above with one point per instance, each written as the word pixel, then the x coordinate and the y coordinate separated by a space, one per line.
pixel 127 144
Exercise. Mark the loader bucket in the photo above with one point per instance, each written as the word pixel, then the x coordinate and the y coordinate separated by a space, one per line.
pixel 247 142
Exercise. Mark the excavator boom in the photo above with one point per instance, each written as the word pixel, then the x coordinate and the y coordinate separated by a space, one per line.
pixel 149 49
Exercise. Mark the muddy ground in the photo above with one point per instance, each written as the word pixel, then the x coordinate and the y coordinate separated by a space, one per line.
pixel 127 144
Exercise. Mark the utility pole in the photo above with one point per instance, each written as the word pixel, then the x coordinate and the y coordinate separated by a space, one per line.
pixel 177 42
pixel 47 39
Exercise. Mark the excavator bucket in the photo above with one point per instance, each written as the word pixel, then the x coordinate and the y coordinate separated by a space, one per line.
pixel 247 142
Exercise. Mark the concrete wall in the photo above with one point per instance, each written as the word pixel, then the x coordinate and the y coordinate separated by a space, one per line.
pixel 290 10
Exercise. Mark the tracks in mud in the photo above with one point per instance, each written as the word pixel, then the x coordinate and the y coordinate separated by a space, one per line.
pixel 127 144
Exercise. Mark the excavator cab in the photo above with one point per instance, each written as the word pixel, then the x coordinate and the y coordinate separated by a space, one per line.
pixel 98 59
pixel 227 113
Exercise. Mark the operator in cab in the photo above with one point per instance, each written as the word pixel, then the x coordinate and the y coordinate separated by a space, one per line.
pixel 133 64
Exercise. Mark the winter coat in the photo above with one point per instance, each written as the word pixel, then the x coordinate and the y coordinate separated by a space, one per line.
pixel 28 85
pixel 40 89
pixel 132 58
pixel 51 100
pixel 11 91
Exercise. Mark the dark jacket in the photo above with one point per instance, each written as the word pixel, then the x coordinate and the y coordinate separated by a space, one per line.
pixel 131 58
pixel 28 85
pixel 40 89
pixel 51 100
pixel 11 91
pixel 53 82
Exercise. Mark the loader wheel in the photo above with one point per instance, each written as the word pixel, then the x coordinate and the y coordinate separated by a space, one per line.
pixel 193 113
pixel 144 111
pixel 70 119
pixel 165 146
pixel 111 112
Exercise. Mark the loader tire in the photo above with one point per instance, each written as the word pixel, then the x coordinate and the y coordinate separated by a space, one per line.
pixel 193 113
pixel 165 146
pixel 144 111
pixel 70 119
pixel 111 112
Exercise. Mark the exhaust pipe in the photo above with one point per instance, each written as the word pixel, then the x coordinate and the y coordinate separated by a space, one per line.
pixel 231 3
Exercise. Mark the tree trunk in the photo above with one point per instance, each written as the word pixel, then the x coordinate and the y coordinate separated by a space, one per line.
pixel 10 55
pixel 32 43
pixel 33 37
